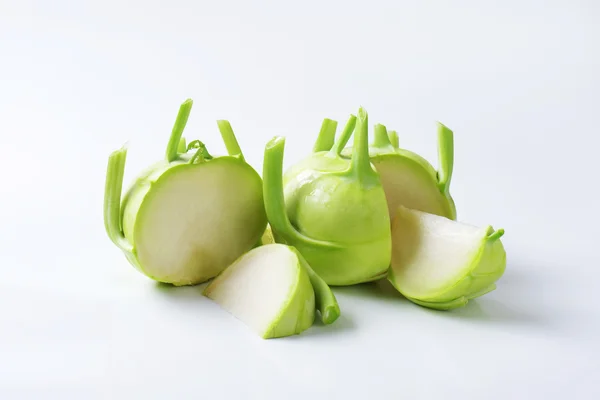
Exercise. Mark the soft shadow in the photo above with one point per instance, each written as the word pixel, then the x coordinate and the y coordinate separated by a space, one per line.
pixel 485 309
pixel 179 292
pixel 381 289
pixel 340 325
pixel 183 299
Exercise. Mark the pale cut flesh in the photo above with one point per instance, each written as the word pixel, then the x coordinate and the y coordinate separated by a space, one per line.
pixel 196 220
pixel 441 263
pixel 268 290
pixel 408 184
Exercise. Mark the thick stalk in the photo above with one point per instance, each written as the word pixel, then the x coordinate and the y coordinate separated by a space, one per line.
pixel 445 157
pixel 180 122
pixel 274 198
pixel 496 235
pixel 394 140
pixel 231 143
pixel 326 136
pixel 381 137
pixel 360 164
pixel 325 300
pixel 112 199
pixel 341 141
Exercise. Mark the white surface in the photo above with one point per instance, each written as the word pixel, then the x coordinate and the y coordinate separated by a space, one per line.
pixel 517 81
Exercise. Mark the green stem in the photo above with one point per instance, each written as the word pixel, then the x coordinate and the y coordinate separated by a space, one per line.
pixel 381 137
pixel 394 140
pixel 325 300
pixel 274 197
pixel 182 148
pixel 361 162
pixel 180 122
pixel 496 235
pixel 326 136
pixel 445 157
pixel 231 143
pixel 341 141
pixel 112 199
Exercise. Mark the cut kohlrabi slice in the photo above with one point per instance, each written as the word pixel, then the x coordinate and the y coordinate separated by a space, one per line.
pixel 272 290
pixel 410 180
pixel 189 216
pixel 440 263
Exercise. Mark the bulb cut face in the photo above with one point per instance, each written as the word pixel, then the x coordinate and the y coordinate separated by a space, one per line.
pixel 189 216
pixel 440 263
pixel 269 290
pixel 408 179
pixel 195 219
pixel 410 184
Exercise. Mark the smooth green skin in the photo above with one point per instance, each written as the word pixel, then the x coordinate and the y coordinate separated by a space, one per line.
pixel 479 277
pixel 385 150
pixel 326 302
pixel 121 216
pixel 296 315
pixel 332 210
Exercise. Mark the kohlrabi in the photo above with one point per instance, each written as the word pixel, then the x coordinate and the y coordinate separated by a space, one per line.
pixel 442 264
pixel 332 210
pixel 189 216
pixel 410 180
pixel 274 291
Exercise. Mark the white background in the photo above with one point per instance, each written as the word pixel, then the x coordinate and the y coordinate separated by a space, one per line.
pixel 517 81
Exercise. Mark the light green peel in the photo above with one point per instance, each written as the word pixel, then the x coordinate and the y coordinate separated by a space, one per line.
pixel 442 264
pixel 189 216
pixel 410 180
pixel 272 290
pixel 332 209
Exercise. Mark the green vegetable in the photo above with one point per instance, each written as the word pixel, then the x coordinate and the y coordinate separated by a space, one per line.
pixel 410 180
pixel 274 291
pixel 189 216
pixel 442 264
pixel 332 210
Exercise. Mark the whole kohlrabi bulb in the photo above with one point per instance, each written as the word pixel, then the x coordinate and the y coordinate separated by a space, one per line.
pixel 333 210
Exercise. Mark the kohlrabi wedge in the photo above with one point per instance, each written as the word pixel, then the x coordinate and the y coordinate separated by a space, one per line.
pixel 410 180
pixel 440 263
pixel 189 216
pixel 272 290
pixel 331 209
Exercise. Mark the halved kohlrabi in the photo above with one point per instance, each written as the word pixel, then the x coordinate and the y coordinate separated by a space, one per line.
pixel 442 264
pixel 331 209
pixel 273 291
pixel 410 180
pixel 189 216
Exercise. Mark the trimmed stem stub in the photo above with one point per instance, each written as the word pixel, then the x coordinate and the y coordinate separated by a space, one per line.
pixel 178 128
pixel 445 157
pixel 341 141
pixel 326 136
pixel 394 140
pixel 360 163
pixel 381 136
pixel 496 235
pixel 112 199
pixel 231 143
